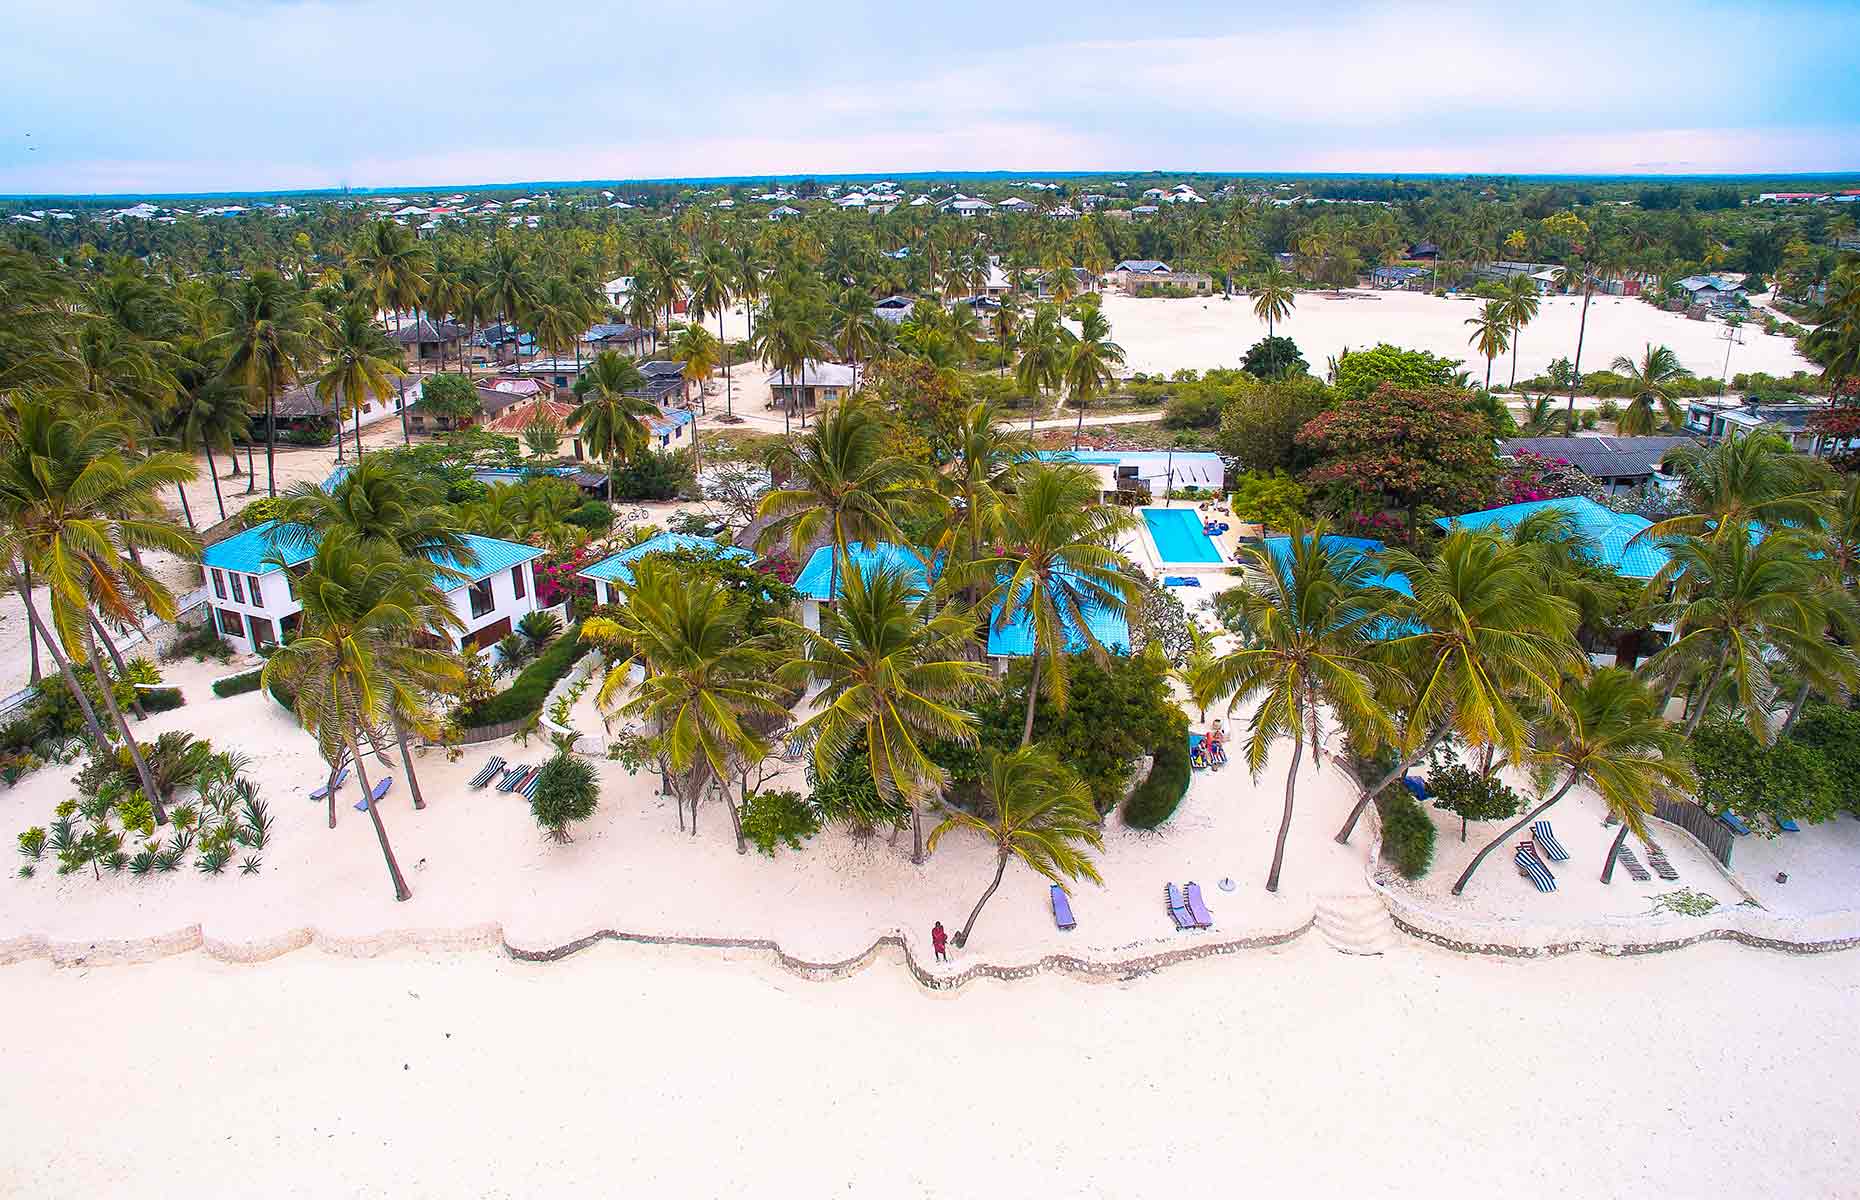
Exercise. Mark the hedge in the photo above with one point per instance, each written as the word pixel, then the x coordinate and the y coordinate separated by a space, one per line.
pixel 159 699
pixel 525 695
pixel 1407 832
pixel 238 685
pixel 1154 800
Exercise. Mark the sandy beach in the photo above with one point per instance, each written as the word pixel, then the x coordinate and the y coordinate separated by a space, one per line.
pixel 1296 1072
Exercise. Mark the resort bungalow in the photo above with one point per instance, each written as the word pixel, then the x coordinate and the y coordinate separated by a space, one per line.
pixel 1407 279
pixel 1135 476
pixel 1716 418
pixel 558 373
pixel 608 574
pixel 1612 534
pixel 1012 640
pixel 427 341
pixel 1138 277
pixel 815 384
pixel 620 336
pixel 1619 464
pixel 301 408
pixel 893 309
pixel 1713 291
pixel 783 212
pixel 963 206
pixel 665 382
pixel 254 600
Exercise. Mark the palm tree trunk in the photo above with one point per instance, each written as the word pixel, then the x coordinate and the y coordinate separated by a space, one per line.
pixel 1614 852
pixel 185 510
pixel 116 660
pixel 962 935
pixel 1711 685
pixel 1582 328
pixel 330 789
pixel 1795 709
pixel 1033 695
pixel 251 472
pixel 1515 331
pixel 1285 821
pixel 122 727
pixel 401 890
pixel 729 404
pixel 214 472
pixel 400 384
pixel 917 841
pixel 91 724
pixel 736 814
pixel 271 441
pixel 1401 768
pixel 406 762
pixel 32 630
pixel 1466 875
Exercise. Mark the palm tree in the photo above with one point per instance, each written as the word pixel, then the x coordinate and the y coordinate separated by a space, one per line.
pixel 843 484
pixel 748 268
pixel 1040 813
pixel 1835 341
pixel 608 418
pixel 1089 365
pixel 1483 637
pixel 356 665
pixel 1007 328
pixel 985 451
pixel 1582 275
pixel 1042 350
pixel 1311 617
pixel 358 359
pixel 1649 383
pixel 855 326
pixel 1491 334
pixel 713 286
pixel 558 315
pixel 393 266
pixel 1273 297
pixel 664 273
pixel 269 339
pixel 1744 479
pixel 382 503
pixel 72 508
pixel 1606 731
pixel 215 414
pixel 706 680
pixel 1520 304
pixel 890 664
pixel 506 287
pixel 1057 567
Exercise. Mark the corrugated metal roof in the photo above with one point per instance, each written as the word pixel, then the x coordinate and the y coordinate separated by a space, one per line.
pixel 618 568
pixel 816 576
pixel 1610 531
pixel 494 555
pixel 1015 639
pixel 247 551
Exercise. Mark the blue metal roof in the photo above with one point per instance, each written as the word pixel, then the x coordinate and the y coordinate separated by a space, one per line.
pixel 617 568
pixel 494 555
pixel 1281 550
pixel 1608 530
pixel 1015 639
pixel 247 551
pixel 814 578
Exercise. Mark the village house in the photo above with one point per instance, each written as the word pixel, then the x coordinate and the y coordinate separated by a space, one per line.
pixel 1618 464
pixel 815 384
pixel 1146 277
pixel 426 342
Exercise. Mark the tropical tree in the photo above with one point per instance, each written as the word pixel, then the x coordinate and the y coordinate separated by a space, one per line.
pixel 891 665
pixel 358 360
pixel 607 419
pixel 1039 813
pixel 1741 480
pixel 393 265
pixel 1491 334
pixel 269 338
pixel 1042 355
pixel 357 664
pixel 713 286
pixel 1089 365
pixel 214 414
pixel 1273 297
pixel 1520 305
pixel 1605 731
pixel 1650 383
pixel 1056 568
pixel 972 480
pixel 1312 619
pixel 383 503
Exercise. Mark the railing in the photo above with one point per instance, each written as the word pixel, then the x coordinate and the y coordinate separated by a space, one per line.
pixel 1709 830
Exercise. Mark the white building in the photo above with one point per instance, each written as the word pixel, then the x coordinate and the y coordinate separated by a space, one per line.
pixel 254 600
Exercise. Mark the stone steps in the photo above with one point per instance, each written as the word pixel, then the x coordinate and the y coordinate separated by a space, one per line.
pixel 1355 923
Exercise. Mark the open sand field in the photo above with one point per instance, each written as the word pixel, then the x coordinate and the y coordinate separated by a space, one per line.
pixel 1161 336
pixel 629 1070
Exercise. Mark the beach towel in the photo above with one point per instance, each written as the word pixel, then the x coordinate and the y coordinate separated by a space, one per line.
pixel 323 789
pixel 1533 868
pixel 381 789
pixel 1417 786
pixel 1197 908
pixel 487 772
pixel 1734 822
pixel 1062 908
pixel 1178 908
pixel 1546 842
pixel 1635 871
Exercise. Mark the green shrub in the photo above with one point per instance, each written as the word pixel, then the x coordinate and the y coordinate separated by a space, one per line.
pixel 1407 832
pixel 199 644
pixel 1471 796
pixel 259 511
pixel 160 699
pixel 595 515
pixel 526 693
pixel 1275 500
pixel 238 685
pixel 1834 733
pixel 566 790
pixel 781 818
pixel 1155 799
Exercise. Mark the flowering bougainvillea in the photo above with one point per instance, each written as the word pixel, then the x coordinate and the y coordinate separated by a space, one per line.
pixel 1524 476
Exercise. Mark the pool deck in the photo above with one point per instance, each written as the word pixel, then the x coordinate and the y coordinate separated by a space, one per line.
pixel 1226 543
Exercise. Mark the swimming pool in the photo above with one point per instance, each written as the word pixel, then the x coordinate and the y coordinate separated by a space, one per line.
pixel 1178 537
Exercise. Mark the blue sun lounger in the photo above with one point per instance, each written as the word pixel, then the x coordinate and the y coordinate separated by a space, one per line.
pixel 1062 908
pixel 1418 786
pixel 513 777
pixel 1197 908
pixel 1546 841
pixel 1533 868
pixel 324 789
pixel 528 790
pixel 1734 823
pixel 1178 908
pixel 381 789
pixel 1787 826
pixel 488 772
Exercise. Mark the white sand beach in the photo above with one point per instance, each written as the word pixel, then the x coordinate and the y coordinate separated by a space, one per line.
pixel 1162 336
pixel 668 1072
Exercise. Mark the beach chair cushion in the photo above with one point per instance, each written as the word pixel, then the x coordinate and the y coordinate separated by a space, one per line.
pixel 1417 786
pixel 323 789
pixel 1198 908
pixel 1734 822
pixel 380 790
pixel 1533 868
pixel 1545 840
pixel 1062 908
pixel 1178 908
pixel 1788 826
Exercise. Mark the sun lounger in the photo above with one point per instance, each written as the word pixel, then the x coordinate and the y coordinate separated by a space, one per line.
pixel 1787 826
pixel 1197 908
pixel 374 797
pixel 1635 871
pixel 528 790
pixel 1734 823
pixel 488 772
pixel 342 777
pixel 1546 842
pixel 513 777
pixel 1178 908
pixel 1656 858
pixel 1062 908
pixel 1416 785
pixel 1533 868
pixel 794 750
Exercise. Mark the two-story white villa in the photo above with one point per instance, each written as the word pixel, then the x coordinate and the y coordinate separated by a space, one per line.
pixel 254 599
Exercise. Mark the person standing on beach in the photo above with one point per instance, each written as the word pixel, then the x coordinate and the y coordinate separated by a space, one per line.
pixel 939 941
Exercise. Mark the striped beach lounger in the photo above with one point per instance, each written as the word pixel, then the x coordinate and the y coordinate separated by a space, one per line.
pixel 1656 858
pixel 1632 864
pixel 1533 868
pixel 513 777
pixel 1178 908
pixel 528 790
pixel 488 772
pixel 1546 841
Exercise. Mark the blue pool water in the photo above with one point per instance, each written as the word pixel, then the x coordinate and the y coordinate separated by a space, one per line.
pixel 1178 537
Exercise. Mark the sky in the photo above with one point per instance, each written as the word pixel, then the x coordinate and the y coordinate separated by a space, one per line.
pixel 212 95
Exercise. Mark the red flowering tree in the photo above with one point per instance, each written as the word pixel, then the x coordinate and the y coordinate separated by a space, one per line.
pixel 1404 448
pixel 1525 476
pixel 559 579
